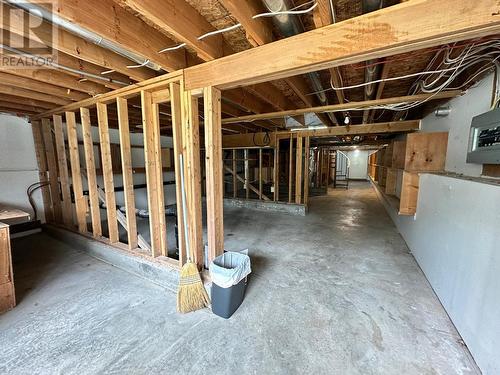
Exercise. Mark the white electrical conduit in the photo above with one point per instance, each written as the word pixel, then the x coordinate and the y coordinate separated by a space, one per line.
pixel 34 9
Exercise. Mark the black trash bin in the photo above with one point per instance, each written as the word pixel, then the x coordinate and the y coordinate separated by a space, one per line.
pixel 229 274
pixel 225 301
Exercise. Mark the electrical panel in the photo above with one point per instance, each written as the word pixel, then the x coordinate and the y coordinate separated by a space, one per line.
pixel 484 142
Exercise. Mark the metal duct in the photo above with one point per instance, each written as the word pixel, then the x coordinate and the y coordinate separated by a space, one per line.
pixel 81 32
pixel 291 25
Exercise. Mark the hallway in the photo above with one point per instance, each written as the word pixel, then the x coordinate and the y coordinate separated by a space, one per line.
pixel 349 300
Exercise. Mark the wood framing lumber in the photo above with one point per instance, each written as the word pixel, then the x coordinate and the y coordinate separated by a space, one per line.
pixel 52 168
pixel 298 171
pixel 107 173
pixel 109 20
pixel 250 186
pixel 214 172
pixel 175 92
pixel 183 22
pixel 128 179
pixel 346 106
pixel 192 174
pixel 49 89
pixel 306 171
pixel 374 35
pixel 290 169
pixel 42 169
pixel 152 156
pixel 88 145
pixel 74 45
pixel 377 128
pixel 235 180
pixel 260 173
pixel 29 94
pixel 125 92
pixel 67 206
pixel 59 78
pixel 76 177
pixel 276 177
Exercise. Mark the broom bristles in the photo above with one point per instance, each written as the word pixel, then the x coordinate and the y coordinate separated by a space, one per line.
pixel 191 294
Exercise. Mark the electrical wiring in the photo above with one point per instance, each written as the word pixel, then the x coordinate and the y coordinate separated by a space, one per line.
pixel 31 189
pixel 293 11
pixel 146 62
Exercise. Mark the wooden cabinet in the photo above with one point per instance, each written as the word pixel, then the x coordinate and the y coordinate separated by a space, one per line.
pixel 396 167
pixel 7 295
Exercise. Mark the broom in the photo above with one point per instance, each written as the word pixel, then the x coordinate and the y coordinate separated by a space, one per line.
pixel 191 294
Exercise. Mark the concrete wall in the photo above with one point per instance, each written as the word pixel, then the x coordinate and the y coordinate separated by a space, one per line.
pixel 18 164
pixel 455 235
pixel 358 164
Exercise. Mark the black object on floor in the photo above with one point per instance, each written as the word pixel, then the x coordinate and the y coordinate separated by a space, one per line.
pixel 225 301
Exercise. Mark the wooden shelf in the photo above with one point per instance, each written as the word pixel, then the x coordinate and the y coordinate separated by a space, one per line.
pixel 395 168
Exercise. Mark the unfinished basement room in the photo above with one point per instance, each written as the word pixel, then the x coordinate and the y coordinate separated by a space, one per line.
pixel 235 187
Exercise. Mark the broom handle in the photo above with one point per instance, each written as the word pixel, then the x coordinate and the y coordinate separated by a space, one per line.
pixel 184 209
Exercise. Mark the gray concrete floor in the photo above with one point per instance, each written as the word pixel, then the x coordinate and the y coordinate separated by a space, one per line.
pixel 336 292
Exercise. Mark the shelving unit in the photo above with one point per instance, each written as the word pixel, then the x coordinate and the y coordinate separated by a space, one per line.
pixel 395 168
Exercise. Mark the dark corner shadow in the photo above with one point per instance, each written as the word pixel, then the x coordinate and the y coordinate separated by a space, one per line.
pixel 32 257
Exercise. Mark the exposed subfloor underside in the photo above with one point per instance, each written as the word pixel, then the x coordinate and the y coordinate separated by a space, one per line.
pixel 335 292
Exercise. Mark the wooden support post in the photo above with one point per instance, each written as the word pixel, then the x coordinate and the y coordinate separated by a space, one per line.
pixel 251 187
pixel 306 171
pixel 260 173
pixel 247 173
pixel 88 144
pixel 52 167
pixel 107 172
pixel 327 157
pixel 42 169
pixel 128 178
pixel 152 153
pixel 67 209
pixel 76 177
pixel 176 105
pixel 235 180
pixel 298 172
pixel 191 152
pixel 214 172
pixel 290 170
pixel 277 170
pixel 7 290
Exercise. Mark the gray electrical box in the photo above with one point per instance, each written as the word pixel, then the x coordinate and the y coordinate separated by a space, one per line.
pixel 484 142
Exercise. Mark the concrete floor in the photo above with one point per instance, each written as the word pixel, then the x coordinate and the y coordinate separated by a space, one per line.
pixel 335 292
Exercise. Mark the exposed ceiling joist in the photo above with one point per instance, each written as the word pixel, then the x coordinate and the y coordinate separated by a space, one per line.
pixel 24 93
pixel 185 23
pixel 378 34
pixel 30 84
pixel 111 21
pixel 75 46
pixel 55 77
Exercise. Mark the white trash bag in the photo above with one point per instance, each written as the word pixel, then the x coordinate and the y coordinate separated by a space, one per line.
pixel 230 268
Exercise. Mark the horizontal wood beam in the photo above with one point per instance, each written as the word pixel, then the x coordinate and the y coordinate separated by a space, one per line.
pixel 377 34
pixel 379 128
pixel 345 106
